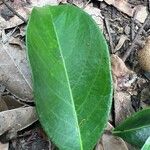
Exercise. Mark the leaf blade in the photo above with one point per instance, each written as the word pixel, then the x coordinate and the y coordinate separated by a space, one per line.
pixel 135 129
pixel 68 72
pixel 146 146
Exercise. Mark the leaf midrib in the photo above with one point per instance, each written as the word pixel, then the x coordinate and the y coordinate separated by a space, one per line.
pixel 132 129
pixel 68 83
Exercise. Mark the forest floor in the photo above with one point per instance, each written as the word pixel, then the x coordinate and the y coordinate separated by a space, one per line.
pixel 126 27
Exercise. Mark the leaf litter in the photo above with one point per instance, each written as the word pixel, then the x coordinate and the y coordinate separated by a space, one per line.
pixel 128 83
pixel 110 142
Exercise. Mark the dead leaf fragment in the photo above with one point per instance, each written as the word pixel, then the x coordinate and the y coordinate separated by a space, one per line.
pixel 141 13
pixel 110 142
pixel 41 3
pixel 3 105
pixel 14 21
pixel 11 102
pixel 4 146
pixel 121 5
pixel 96 15
pixel 123 106
pixel 144 56
pixel 113 143
pixel 119 68
pixel 17 42
pixel 127 8
pixel 123 81
pixel 17 119
pixel 79 3
pixel 121 41
pixel 14 71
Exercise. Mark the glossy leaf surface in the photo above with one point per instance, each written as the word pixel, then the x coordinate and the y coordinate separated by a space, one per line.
pixel 135 129
pixel 71 75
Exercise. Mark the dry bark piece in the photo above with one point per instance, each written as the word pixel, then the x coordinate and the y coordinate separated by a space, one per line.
pixel 14 120
pixel 144 56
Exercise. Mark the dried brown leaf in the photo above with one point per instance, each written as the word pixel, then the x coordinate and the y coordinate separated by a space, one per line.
pixel 121 41
pixel 121 5
pixel 110 142
pixel 123 106
pixel 15 20
pixel 79 3
pixel 3 105
pixel 14 120
pixel 141 13
pixel 14 72
pixel 11 102
pixel 123 80
pixel 127 8
pixel 119 68
pixel 17 42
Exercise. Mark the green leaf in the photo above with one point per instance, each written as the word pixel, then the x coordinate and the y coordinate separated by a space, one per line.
pixel 135 129
pixel 71 75
pixel 146 146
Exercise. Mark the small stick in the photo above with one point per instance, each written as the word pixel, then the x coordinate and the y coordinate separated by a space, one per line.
pixel 8 35
pixel 132 29
pixel 140 25
pixel 109 34
pixel 133 25
pixel 127 53
pixel 15 13
pixel 86 4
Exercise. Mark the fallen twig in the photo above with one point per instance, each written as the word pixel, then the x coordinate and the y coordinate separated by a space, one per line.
pixel 134 21
pixel 109 34
pixel 132 28
pixel 7 36
pixel 15 13
pixel 140 25
pixel 127 53
pixel 86 4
